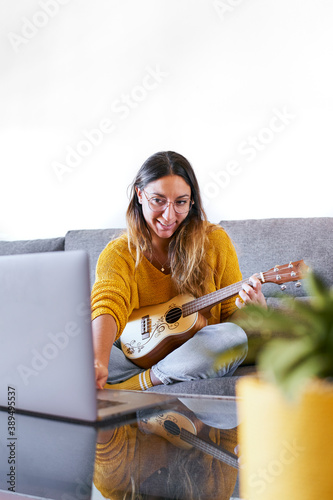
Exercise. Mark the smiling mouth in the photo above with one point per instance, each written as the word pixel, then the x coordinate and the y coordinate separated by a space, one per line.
pixel 166 225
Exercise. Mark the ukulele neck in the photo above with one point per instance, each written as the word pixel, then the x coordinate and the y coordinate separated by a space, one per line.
pixel 210 448
pixel 213 298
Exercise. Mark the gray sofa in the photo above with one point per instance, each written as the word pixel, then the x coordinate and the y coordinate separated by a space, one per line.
pixel 261 244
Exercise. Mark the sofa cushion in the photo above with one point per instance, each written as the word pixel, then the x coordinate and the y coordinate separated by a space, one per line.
pixel 32 246
pixel 91 240
pixel 263 243
pixel 260 245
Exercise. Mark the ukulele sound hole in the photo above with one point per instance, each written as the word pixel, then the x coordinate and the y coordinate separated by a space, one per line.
pixel 171 427
pixel 173 315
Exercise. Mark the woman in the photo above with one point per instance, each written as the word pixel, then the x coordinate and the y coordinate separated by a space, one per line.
pixel 170 248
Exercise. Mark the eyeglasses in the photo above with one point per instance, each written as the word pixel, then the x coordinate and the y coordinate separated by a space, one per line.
pixel 159 204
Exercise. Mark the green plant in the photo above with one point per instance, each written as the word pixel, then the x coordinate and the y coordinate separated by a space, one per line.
pixel 308 352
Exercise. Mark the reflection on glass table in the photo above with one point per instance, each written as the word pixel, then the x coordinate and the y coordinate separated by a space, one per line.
pixel 46 458
pixel 186 451
pixel 183 449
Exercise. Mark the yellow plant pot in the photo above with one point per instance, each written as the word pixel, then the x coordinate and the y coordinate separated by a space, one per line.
pixel 286 448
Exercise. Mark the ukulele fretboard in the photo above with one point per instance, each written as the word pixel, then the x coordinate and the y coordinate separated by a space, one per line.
pixel 212 298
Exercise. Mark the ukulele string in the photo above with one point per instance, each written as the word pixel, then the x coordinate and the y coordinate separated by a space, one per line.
pixel 219 295
pixel 202 302
pixel 209 448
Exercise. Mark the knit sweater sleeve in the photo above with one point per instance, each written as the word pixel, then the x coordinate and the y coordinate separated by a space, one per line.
pixel 115 290
pixel 113 461
pixel 130 456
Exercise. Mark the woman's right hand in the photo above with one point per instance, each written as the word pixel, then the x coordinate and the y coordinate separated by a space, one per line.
pixel 101 374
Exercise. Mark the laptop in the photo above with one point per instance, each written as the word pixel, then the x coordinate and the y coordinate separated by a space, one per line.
pixel 46 353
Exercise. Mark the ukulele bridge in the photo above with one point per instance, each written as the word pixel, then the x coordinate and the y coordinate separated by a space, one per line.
pixel 145 327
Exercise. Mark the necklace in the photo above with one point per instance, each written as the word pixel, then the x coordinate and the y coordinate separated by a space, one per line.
pixel 160 263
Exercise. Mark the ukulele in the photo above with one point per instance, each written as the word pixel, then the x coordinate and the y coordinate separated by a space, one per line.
pixel 152 332
pixel 180 431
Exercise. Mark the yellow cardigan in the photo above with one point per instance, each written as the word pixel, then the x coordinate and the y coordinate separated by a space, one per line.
pixel 120 288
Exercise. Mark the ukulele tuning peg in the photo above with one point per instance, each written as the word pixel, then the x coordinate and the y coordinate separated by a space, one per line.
pixel 298 284
pixel 283 287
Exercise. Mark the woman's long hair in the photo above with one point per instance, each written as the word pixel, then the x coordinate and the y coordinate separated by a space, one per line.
pixel 188 245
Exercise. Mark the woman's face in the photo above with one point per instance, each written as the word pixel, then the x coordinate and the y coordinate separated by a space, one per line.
pixel 171 188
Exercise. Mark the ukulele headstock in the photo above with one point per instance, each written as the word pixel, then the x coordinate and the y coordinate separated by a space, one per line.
pixel 294 271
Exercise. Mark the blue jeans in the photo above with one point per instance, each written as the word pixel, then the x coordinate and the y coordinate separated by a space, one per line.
pixel 191 361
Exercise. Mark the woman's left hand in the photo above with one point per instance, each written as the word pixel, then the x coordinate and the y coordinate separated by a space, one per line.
pixel 251 294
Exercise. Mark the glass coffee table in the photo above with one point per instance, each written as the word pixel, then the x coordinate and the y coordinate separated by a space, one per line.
pixel 183 449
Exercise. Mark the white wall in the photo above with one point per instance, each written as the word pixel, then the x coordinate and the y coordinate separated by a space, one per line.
pixel 209 79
